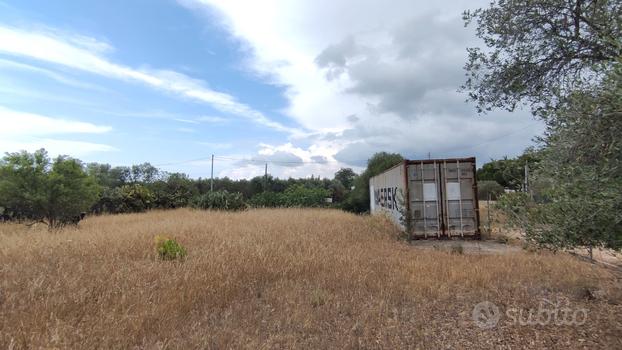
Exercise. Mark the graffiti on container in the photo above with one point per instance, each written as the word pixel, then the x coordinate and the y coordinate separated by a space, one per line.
pixel 386 197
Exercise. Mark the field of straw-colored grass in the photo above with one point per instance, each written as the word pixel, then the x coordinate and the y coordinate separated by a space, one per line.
pixel 283 278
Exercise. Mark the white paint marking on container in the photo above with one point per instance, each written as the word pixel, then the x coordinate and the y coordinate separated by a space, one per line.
pixel 453 191
pixel 429 192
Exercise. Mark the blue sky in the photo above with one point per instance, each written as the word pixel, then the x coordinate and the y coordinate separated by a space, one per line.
pixel 308 87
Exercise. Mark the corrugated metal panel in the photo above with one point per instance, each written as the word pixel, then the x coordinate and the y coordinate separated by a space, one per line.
pixel 425 199
pixel 441 195
pixel 460 199
pixel 387 193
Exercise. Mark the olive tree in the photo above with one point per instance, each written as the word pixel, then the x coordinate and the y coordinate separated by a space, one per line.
pixel 582 161
pixel 538 51
pixel 34 188
pixel 70 191
pixel 23 184
pixel 562 58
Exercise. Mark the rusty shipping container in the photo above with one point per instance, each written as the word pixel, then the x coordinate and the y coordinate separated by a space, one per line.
pixel 436 198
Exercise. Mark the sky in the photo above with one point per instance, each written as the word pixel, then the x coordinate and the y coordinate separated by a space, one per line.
pixel 307 86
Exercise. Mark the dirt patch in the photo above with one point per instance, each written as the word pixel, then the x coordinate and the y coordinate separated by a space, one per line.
pixel 494 227
pixel 605 257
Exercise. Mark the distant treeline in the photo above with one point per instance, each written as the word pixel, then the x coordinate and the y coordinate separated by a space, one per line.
pixel 141 187
pixel 59 191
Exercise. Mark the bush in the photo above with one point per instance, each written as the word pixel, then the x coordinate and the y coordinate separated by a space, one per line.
pixel 220 200
pixel 294 196
pixel 486 188
pixel 301 196
pixel 267 200
pixel 517 207
pixel 134 198
pixel 169 249
pixel 175 191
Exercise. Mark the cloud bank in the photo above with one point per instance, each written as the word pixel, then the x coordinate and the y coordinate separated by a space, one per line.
pixel 28 131
pixel 363 76
pixel 87 54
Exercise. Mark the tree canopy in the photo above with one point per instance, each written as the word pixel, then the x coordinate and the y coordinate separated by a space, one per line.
pixel 34 188
pixel 563 58
pixel 346 177
pixel 583 172
pixel 358 199
pixel 509 172
pixel 540 51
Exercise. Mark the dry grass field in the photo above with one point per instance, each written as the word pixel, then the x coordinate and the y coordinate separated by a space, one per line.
pixel 285 278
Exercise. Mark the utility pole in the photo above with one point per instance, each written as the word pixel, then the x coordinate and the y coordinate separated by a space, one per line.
pixel 429 155
pixel 211 188
pixel 527 185
pixel 526 182
pixel 265 186
pixel 488 212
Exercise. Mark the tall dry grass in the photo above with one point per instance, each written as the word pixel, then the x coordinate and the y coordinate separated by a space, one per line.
pixel 287 278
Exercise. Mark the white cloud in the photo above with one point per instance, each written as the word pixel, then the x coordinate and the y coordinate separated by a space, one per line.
pixel 29 131
pixel 360 76
pixel 55 146
pixel 86 54
pixel 211 119
pixel 10 91
pixel 186 121
pixel 17 124
pixel 364 76
pixel 287 160
pixel 9 64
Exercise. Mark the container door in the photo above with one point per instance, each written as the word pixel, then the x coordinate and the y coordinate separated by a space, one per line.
pixel 425 199
pixel 459 217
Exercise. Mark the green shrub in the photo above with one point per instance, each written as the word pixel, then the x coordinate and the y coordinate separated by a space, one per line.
pixel 169 249
pixel 220 200
pixel 267 200
pixel 132 198
pixel 517 207
pixel 301 196
pixel 293 196
pixel 486 188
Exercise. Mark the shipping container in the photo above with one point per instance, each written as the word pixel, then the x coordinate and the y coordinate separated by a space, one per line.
pixel 432 198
